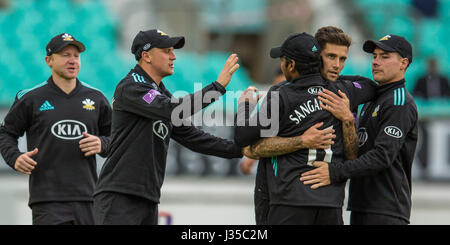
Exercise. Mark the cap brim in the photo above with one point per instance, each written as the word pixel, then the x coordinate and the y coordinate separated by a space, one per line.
pixel 77 44
pixel 369 46
pixel 175 42
pixel 275 52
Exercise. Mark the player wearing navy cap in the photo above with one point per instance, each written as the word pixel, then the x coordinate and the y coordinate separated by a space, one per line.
pixel 298 108
pixel 129 185
pixel 66 123
pixel 334 44
pixel 380 178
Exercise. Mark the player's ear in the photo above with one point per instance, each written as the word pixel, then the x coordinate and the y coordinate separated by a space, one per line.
pixel 292 66
pixel 147 56
pixel 48 60
pixel 404 64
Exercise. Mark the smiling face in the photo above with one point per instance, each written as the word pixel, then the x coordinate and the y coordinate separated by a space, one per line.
pixel 388 67
pixel 333 59
pixel 65 64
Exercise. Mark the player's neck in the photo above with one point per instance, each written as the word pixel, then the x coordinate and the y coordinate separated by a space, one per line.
pixel 398 78
pixel 152 73
pixel 66 85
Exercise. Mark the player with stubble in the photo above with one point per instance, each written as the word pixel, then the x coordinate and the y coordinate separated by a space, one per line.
pixel 380 178
pixel 334 45
pixel 297 104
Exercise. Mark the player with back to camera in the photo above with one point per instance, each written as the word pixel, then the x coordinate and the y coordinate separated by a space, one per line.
pixel 334 45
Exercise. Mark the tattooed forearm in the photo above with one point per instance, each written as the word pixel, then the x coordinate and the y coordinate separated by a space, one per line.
pixel 350 140
pixel 276 146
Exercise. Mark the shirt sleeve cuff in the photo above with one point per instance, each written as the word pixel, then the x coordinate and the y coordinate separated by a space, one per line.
pixel 219 87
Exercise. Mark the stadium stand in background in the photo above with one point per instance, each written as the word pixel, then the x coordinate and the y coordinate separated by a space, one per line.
pixel 213 29
pixel 429 35
pixel 27 25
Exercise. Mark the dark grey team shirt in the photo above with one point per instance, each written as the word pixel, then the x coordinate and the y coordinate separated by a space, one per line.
pixel 380 178
pixel 299 109
pixel 141 130
pixel 54 122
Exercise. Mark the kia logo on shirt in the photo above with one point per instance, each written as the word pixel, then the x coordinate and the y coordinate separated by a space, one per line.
pixel 393 131
pixel 315 89
pixel 68 129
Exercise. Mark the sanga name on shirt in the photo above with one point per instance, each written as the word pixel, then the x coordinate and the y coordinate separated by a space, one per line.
pixel 305 110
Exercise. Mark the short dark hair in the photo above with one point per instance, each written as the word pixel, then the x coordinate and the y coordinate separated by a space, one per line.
pixel 305 68
pixel 333 35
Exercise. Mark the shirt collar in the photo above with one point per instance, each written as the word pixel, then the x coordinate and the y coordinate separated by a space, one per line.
pixel 390 86
pixel 141 72
pixel 308 80
pixel 55 87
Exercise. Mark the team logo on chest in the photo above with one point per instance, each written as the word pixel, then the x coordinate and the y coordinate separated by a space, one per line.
pixel 375 112
pixel 160 129
pixel 46 106
pixel 88 104
pixel 362 136
pixel 68 129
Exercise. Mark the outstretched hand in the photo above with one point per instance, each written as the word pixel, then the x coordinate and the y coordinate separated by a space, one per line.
pixel 249 95
pixel 230 67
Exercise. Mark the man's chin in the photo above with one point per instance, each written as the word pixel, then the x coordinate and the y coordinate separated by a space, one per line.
pixel 333 79
pixel 170 73
pixel 69 76
pixel 379 79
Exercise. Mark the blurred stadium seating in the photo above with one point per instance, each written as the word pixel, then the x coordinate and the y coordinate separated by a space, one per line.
pixel 27 25
pixel 428 36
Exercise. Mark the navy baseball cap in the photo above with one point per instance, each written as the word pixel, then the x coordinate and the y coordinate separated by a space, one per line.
pixel 146 40
pixel 391 43
pixel 60 41
pixel 300 47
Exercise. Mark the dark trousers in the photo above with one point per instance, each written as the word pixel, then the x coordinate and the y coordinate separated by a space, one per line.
pixel 261 208
pixel 359 218
pixel 304 215
pixel 63 213
pixel 112 208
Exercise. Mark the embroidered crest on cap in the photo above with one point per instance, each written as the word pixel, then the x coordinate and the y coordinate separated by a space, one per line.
pixel 67 37
pixel 385 38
